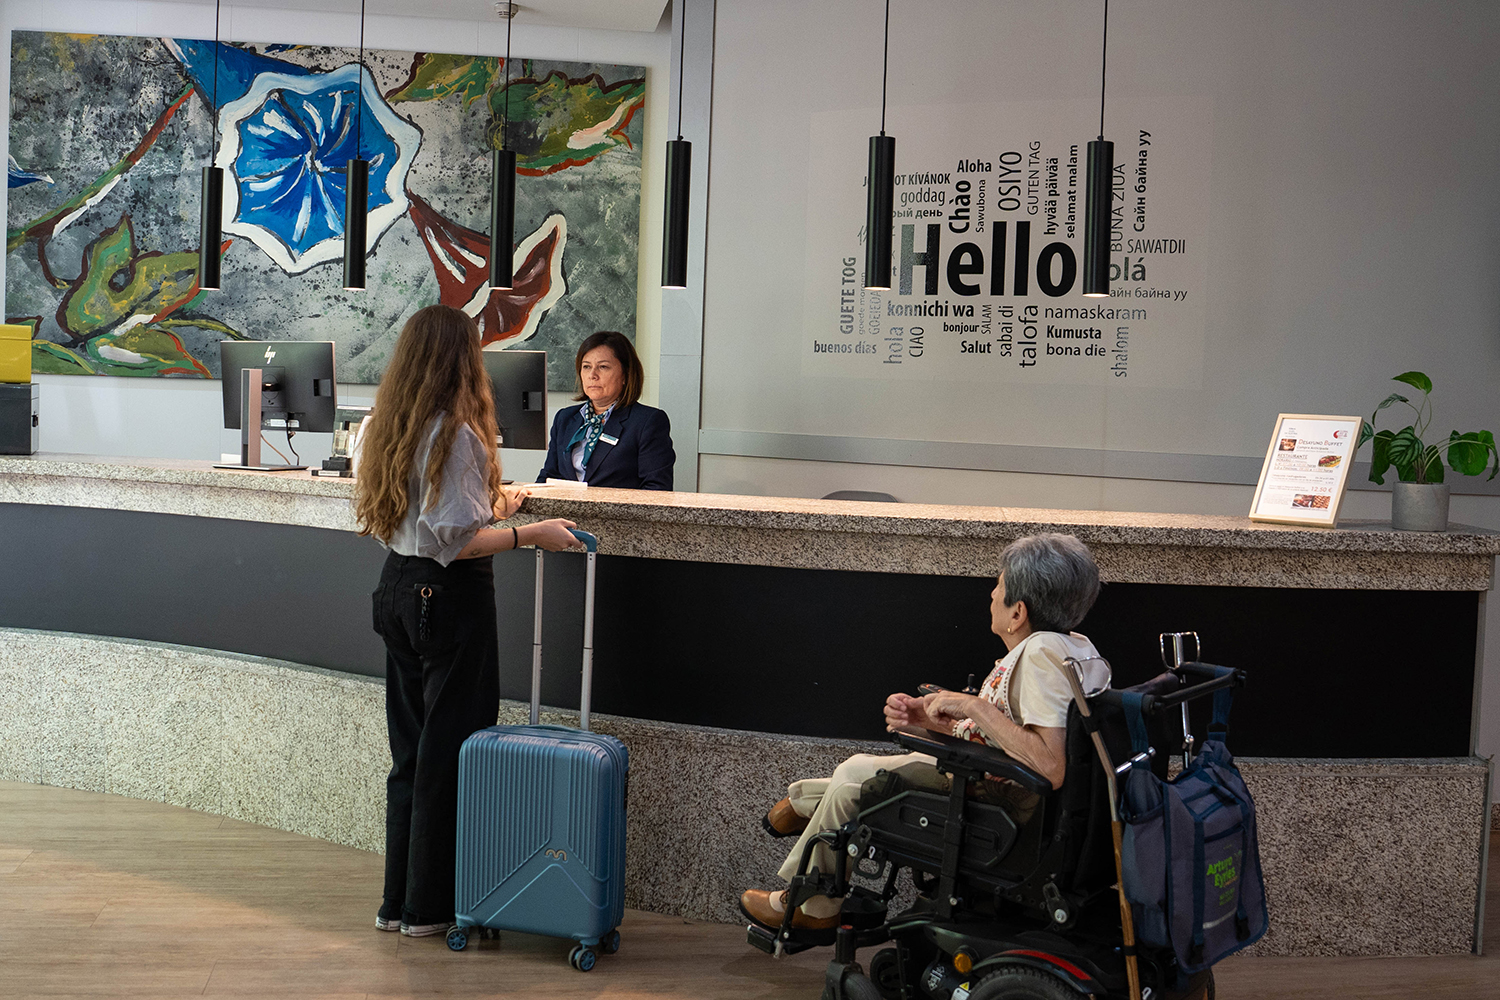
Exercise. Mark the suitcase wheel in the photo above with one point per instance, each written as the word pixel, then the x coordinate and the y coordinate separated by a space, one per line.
pixel 458 938
pixel 582 958
pixel 610 943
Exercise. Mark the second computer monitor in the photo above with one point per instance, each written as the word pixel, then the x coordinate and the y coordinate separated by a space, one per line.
pixel 519 382
pixel 305 381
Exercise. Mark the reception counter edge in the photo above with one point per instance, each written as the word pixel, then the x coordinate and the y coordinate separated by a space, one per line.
pixel 819 534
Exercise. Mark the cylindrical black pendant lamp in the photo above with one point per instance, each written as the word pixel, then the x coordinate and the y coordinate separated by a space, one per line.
pixel 1098 189
pixel 357 183
pixel 502 217
pixel 879 206
pixel 356 219
pixel 674 254
pixel 1098 185
pixel 880 185
pixel 211 199
pixel 503 185
pixel 674 237
pixel 210 227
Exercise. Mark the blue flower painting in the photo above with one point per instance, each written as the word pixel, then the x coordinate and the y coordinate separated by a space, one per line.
pixel 107 135
pixel 286 144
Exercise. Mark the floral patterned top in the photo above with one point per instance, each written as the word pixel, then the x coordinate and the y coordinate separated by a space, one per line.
pixel 1029 684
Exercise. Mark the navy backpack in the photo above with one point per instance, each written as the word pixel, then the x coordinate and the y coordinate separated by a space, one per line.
pixel 1191 864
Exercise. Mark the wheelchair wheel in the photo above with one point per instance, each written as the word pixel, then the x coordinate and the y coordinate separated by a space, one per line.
pixel 856 987
pixel 1022 983
pixel 885 973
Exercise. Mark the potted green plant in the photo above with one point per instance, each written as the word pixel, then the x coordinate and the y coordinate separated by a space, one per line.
pixel 1419 502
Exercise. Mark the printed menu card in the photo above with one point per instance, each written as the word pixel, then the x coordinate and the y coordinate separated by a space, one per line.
pixel 1306 468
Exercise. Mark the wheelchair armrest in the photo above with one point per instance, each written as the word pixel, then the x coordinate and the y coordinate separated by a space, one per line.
pixel 1219 678
pixel 971 756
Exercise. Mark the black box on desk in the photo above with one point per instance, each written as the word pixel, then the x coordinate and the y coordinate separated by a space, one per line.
pixel 18 418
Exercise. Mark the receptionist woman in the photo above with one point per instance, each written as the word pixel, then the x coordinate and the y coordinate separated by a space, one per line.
pixel 612 439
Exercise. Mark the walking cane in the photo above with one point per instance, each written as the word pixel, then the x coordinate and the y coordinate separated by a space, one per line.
pixel 1132 970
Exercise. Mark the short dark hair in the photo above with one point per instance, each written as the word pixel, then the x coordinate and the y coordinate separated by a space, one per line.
pixel 624 352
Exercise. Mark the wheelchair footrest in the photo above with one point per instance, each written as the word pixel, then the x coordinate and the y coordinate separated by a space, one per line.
pixel 764 939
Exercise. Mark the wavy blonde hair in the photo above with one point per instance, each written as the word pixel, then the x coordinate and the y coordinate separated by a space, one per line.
pixel 437 366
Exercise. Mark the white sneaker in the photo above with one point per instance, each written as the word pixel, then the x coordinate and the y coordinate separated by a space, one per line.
pixel 425 930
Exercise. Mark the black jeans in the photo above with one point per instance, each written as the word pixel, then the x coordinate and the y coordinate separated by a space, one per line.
pixel 442 683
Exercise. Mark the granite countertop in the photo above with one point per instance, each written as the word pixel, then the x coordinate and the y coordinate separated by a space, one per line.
pixel 176 471
pixel 934 520
pixel 706 510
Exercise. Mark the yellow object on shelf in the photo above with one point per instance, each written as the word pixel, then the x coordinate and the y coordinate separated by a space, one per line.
pixel 15 353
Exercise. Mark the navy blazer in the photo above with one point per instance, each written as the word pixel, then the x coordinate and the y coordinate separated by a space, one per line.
pixel 641 459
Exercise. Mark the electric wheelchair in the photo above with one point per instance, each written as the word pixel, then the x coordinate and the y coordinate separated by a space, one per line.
pixel 1003 911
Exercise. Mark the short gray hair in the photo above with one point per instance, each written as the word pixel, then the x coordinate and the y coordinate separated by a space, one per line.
pixel 1055 575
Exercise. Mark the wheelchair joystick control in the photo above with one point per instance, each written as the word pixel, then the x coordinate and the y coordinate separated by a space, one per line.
pixel 971 687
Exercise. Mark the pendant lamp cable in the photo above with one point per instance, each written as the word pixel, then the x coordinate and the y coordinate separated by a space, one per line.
pixel 215 155
pixel 681 58
pixel 505 123
pixel 359 121
pixel 1103 64
pixel 885 70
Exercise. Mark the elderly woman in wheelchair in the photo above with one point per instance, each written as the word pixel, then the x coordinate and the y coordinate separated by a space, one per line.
pixel 1047 584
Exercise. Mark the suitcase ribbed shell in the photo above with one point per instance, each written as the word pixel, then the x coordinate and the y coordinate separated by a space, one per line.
pixel 541 831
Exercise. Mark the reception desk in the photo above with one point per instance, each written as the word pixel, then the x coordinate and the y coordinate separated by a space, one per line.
pixel 202 637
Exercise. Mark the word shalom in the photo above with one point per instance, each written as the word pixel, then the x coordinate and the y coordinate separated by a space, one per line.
pixel 1055 267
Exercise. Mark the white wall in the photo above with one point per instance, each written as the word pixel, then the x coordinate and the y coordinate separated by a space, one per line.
pixel 1353 232
pixel 1352 217
pixel 168 418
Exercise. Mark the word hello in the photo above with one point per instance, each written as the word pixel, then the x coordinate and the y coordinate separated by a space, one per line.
pixel 1055 266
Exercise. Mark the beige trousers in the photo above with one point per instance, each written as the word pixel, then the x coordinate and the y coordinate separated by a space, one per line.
pixel 829 803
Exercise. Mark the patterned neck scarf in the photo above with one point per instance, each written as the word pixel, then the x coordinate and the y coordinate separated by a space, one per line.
pixel 589 431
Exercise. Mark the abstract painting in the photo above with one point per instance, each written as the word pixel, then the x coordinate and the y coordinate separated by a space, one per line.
pixel 108 135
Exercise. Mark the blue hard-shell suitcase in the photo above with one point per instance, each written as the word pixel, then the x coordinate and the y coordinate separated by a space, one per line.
pixel 541 821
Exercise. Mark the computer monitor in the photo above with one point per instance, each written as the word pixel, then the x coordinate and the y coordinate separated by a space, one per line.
pixel 297 390
pixel 518 380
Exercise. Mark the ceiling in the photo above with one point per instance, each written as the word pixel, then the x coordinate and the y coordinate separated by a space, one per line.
pixel 619 15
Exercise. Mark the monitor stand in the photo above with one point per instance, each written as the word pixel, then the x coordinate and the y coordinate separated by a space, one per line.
pixel 250 427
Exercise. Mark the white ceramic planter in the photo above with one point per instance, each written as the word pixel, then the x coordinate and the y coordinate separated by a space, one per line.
pixel 1419 506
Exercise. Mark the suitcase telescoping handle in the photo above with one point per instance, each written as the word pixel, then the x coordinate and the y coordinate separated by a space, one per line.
pixel 591 543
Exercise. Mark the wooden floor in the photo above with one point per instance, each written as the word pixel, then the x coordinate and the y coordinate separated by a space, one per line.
pixel 105 896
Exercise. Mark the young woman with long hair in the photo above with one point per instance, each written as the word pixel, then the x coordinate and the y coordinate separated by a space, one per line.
pixel 428 488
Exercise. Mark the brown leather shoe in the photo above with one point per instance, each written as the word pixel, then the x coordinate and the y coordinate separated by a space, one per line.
pixel 782 821
pixel 756 904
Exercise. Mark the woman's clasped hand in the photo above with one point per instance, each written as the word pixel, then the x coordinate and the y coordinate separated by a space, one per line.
pixel 938 711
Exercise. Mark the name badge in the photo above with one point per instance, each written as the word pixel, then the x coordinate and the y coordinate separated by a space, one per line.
pixel 607 439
